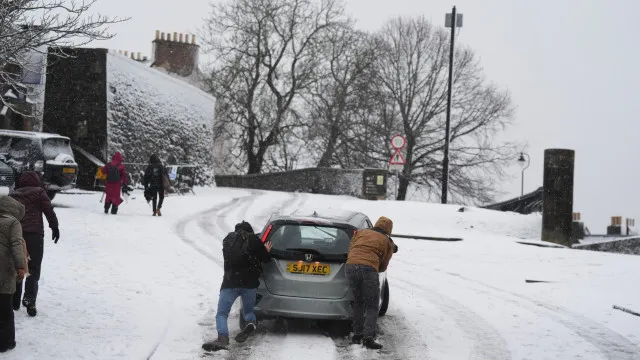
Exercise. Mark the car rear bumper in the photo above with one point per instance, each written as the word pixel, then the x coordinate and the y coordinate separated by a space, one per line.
pixel 274 306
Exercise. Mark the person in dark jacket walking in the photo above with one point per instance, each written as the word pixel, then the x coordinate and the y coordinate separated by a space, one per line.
pixel 36 202
pixel 116 179
pixel 12 259
pixel 243 251
pixel 153 184
pixel 369 253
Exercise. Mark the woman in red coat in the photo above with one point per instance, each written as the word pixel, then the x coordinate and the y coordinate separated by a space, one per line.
pixel 116 178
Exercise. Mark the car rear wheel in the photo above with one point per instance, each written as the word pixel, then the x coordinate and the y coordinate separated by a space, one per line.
pixel 385 299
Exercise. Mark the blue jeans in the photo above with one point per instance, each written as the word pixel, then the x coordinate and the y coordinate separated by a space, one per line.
pixel 225 301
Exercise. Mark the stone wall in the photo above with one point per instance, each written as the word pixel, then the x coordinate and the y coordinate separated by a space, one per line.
pixel 629 246
pixel 311 180
pixel 76 103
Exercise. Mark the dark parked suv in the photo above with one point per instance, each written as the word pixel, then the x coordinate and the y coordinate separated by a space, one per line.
pixel 50 155
pixel 306 276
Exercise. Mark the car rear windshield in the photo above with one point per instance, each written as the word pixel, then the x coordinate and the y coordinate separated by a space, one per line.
pixel 321 238
pixel 56 146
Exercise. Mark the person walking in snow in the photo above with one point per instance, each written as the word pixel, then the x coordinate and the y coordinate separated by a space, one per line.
pixel 243 251
pixel 12 258
pixel 153 182
pixel 369 253
pixel 116 180
pixel 30 193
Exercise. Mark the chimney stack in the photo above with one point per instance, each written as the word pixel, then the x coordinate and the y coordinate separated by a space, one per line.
pixel 177 54
pixel 157 34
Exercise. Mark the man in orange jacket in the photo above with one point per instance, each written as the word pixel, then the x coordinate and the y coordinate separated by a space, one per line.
pixel 369 253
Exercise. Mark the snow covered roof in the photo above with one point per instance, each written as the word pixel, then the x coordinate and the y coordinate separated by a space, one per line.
pixel 31 134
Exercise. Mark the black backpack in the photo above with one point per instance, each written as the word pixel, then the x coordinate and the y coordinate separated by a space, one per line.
pixel 235 249
pixel 113 174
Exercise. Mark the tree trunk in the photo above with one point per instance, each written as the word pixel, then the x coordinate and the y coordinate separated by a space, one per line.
pixel 403 187
pixel 327 156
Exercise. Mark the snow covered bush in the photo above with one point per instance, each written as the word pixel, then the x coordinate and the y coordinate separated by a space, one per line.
pixel 151 112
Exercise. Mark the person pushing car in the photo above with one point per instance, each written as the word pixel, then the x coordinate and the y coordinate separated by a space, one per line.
pixel 369 253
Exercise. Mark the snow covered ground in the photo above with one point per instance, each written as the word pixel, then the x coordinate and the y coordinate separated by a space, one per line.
pixel 136 287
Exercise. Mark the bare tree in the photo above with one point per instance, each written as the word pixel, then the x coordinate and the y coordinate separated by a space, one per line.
pixel 265 56
pixel 32 26
pixel 412 71
pixel 340 94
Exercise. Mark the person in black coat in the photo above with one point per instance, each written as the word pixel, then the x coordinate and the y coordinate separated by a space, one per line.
pixel 153 183
pixel 243 252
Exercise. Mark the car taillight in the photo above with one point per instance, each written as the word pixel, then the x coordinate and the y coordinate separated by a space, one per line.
pixel 266 233
pixel 355 232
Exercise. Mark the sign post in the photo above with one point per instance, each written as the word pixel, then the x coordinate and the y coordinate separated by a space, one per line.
pixel 397 161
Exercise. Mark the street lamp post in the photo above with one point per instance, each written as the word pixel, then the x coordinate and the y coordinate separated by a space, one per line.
pixel 524 163
pixel 452 20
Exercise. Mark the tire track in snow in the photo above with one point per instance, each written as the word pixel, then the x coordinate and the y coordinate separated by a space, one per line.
pixel 487 341
pixel 611 344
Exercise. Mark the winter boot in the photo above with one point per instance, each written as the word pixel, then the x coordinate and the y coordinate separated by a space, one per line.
pixel 106 208
pixel 158 212
pixel 31 307
pixel 114 210
pixel 246 332
pixel 221 343
pixel 369 343
pixel 356 339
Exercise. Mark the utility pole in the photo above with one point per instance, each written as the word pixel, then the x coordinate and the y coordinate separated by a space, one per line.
pixel 453 20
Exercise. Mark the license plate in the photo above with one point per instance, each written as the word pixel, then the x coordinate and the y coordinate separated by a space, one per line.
pixel 309 269
pixel 68 170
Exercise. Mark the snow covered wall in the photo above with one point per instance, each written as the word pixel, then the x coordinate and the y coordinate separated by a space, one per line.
pixel 150 112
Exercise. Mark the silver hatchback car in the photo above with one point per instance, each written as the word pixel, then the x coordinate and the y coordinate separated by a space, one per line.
pixel 306 276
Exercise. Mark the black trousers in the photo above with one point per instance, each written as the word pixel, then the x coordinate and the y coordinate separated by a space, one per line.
pixel 158 199
pixel 35 247
pixel 7 324
pixel 365 286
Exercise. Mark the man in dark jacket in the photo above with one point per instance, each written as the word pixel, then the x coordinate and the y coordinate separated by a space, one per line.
pixel 30 193
pixel 153 183
pixel 369 253
pixel 243 251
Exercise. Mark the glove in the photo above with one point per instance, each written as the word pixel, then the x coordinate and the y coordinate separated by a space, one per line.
pixel 55 235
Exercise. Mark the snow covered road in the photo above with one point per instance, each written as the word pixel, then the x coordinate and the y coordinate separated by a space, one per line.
pixel 137 287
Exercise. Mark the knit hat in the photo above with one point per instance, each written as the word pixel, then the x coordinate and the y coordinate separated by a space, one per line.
pixel 385 224
pixel 245 226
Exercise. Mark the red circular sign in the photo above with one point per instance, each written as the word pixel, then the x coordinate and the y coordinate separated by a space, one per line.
pixel 398 142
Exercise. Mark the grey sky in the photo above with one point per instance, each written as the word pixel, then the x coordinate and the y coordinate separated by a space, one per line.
pixel 571 66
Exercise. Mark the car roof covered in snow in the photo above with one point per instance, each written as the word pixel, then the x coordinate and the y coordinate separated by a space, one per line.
pixel 328 217
pixel 31 134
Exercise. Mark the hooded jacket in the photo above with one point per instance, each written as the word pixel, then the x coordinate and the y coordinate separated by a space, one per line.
pixel 244 275
pixel 12 256
pixel 373 247
pixel 154 174
pixel 112 189
pixel 36 202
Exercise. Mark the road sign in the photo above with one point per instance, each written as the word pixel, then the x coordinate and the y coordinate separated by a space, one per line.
pixel 398 142
pixel 397 158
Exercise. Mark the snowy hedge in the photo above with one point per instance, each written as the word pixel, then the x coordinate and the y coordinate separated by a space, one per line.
pixel 151 112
